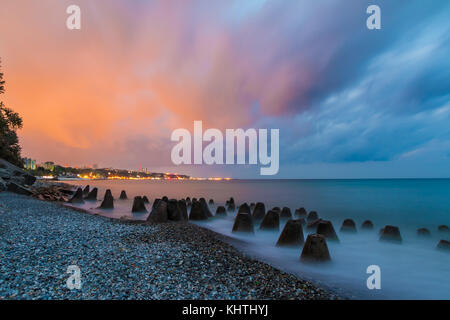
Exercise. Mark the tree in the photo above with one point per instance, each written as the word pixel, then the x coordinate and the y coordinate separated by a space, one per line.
pixel 10 122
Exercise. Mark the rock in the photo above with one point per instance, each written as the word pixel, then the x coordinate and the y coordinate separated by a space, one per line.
pixel 271 221
pixel 108 201
pixel 259 211
pixel 326 229
pixel 92 196
pixel 138 205
pixel 183 209
pixel 86 191
pixel 312 216
pixel 292 234
pixel 244 208
pixel 286 213
pixel 423 232
pixel 243 222
pixel 145 199
pixel 348 226
pixel 19 189
pixel 159 213
pixel 12 173
pixel 173 211
pixel 205 207
pixel 197 212
pixel 443 228
pixel 443 245
pixel 123 196
pixel 211 202
pixel 391 233
pixel 367 225
pixel 301 212
pixel 78 197
pixel 220 211
pixel 315 249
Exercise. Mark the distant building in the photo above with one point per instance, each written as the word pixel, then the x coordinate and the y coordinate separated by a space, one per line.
pixel 29 163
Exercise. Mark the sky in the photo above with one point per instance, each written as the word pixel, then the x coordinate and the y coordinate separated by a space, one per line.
pixel 349 102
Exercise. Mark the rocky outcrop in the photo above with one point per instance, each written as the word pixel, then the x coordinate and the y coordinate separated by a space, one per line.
pixel 138 205
pixel 271 221
pixel 243 223
pixel 77 197
pixel 108 201
pixel 197 212
pixel 123 196
pixel 15 179
pixel 301 212
pixel 221 211
pixel 92 196
pixel 391 233
pixel 10 173
pixel 259 211
pixel 326 229
pixel 348 226
pixel 159 212
pixel 315 249
pixel 368 225
pixel 312 216
pixel 423 232
pixel 286 213
pixel 292 234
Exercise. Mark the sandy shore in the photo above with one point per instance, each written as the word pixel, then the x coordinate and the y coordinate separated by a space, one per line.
pixel 123 260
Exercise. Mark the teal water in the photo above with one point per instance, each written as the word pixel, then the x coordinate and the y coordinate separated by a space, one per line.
pixel 412 270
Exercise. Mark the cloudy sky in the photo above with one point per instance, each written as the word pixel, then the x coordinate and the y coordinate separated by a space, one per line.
pixel 349 102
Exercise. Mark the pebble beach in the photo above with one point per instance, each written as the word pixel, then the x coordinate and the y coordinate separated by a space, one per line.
pixel 118 259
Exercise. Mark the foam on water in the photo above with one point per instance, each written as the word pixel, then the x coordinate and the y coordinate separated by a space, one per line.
pixel 411 270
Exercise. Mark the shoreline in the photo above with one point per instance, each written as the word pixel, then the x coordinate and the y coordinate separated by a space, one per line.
pixel 196 258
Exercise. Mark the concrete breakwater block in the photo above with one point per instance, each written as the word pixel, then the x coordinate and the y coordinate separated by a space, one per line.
pixel 244 208
pixel 221 211
pixel 138 205
pixel 108 201
pixel 183 208
pixel 326 229
pixel 443 228
pixel 243 223
pixel 259 211
pixel 174 212
pixel 348 226
pixel 443 245
pixel 205 207
pixel 92 196
pixel 315 249
pixel 86 190
pixel 423 232
pixel 368 225
pixel 211 202
pixel 312 216
pixel 292 234
pixel 271 221
pixel 197 212
pixel 286 213
pixel 145 199
pixel 77 197
pixel 123 195
pixel 159 212
pixel 301 212
pixel 391 233
pixel 313 224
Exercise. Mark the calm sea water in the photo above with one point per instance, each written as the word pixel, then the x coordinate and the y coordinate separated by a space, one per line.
pixel 411 270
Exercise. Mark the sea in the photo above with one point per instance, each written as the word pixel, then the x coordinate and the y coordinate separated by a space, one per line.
pixel 414 269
